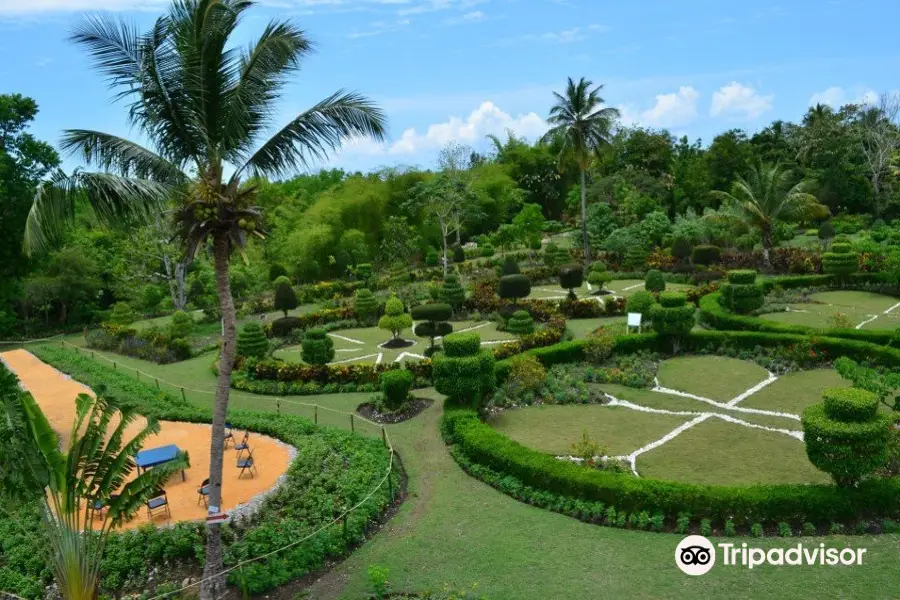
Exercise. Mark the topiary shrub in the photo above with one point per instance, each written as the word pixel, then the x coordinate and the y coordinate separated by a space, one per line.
pixel 599 279
pixel 706 254
pixel 672 317
pixel 534 242
pixel 252 342
pixel 520 323
pixel 464 372
pixel 459 255
pixel 682 248
pixel 395 386
pixel 487 250
pixel 571 277
pixel 181 325
pixel 510 267
pixel 285 297
pixel 636 258
pixel 283 327
pixel 654 281
pixel 122 314
pixel 513 287
pixel 432 258
pixel 276 271
pixel 317 347
pixel 395 319
pixel 845 436
pixel 550 254
pixel 742 294
pixel 640 302
pixel 841 261
pixel 363 271
pixel 434 317
pixel 366 305
pixel 826 232
pixel 452 292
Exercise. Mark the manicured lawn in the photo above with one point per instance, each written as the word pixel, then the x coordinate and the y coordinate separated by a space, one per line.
pixel 582 327
pixel 716 377
pixel 793 392
pixel 716 452
pixel 859 307
pixel 553 429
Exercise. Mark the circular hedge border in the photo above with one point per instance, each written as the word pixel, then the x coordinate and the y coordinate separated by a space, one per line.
pixel 604 497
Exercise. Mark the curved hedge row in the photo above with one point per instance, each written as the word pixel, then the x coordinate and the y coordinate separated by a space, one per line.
pixel 334 467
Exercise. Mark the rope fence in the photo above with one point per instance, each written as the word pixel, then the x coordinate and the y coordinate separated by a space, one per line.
pixel 353 420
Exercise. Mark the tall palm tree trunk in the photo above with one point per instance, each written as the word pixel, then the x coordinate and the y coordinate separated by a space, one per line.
pixel 767 243
pixel 584 233
pixel 214 588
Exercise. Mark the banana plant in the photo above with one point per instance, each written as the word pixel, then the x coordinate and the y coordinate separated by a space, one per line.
pixel 87 490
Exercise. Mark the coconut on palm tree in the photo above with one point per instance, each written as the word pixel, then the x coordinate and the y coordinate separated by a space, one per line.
pixel 768 194
pixel 584 125
pixel 204 105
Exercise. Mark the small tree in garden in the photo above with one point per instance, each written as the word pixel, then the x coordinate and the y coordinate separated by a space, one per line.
pixel 452 292
pixel 513 287
pixel 464 372
pixel 570 278
pixel 520 323
pixel 826 233
pixel 434 319
pixel 845 435
pixel 366 305
pixel 395 386
pixel 841 261
pixel 122 314
pixel 432 258
pixel 252 341
pixel 181 325
pixel 459 255
pixel 640 302
pixel 706 255
pixel 673 317
pixel 682 249
pixel 598 276
pixel 510 267
pixel 285 297
pixel 395 319
pixel 317 347
pixel 742 294
pixel 654 281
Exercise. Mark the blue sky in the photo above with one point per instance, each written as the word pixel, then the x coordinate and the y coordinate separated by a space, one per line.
pixel 460 69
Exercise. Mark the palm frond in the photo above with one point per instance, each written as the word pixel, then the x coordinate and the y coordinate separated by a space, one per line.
pixel 115 46
pixel 120 156
pixel 316 132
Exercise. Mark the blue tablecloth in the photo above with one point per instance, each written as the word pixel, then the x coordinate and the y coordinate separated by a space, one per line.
pixel 153 457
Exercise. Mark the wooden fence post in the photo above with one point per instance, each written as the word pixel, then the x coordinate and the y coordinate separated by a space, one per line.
pixel 183 397
pixel 352 429
pixel 316 415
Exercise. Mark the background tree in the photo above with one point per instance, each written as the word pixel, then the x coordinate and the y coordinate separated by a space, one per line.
pixel 578 120
pixel 285 296
pixel 447 202
pixel 880 127
pixel 203 105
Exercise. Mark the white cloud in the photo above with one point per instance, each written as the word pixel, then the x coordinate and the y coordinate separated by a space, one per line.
pixel 425 6
pixel 836 97
pixel 470 17
pixel 670 110
pixel 737 100
pixel 379 27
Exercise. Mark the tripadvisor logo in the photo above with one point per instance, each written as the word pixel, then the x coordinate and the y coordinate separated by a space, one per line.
pixel 696 555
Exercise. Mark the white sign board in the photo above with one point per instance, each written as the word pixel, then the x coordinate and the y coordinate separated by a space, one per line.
pixel 634 320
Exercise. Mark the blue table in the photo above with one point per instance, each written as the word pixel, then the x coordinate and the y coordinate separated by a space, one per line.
pixel 147 459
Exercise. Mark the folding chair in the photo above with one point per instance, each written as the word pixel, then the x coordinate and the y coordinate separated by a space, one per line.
pixel 229 435
pixel 103 504
pixel 246 464
pixel 158 502
pixel 244 444
pixel 203 492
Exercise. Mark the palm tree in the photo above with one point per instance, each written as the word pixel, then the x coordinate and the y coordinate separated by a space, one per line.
pixel 584 127
pixel 767 194
pixel 89 482
pixel 203 105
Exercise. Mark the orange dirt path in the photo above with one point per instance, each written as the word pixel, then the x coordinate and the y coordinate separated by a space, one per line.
pixel 56 393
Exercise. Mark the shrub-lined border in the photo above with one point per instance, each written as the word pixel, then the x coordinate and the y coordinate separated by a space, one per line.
pixel 742 507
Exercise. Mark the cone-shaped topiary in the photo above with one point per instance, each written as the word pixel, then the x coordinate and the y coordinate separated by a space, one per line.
pixel 513 287
pixel 252 341
pixel 394 319
pixel 366 305
pixel 510 267
pixel 285 297
pixel 464 372
pixel 635 258
pixel 654 281
pixel 520 323
pixel 742 294
pixel 841 261
pixel 395 385
pixel 318 348
pixel 452 292
pixel 571 277
pixel 845 435
pixel 550 254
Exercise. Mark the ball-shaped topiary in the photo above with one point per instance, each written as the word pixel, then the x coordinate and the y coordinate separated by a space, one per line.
pixel 845 436
pixel 317 347
pixel 706 254
pixel 285 297
pixel 513 287
pixel 571 277
pixel 432 258
pixel 826 231
pixel 510 267
pixel 181 325
pixel 281 279
pixel 682 248
pixel 395 319
pixel 464 372
pixel 452 292
pixel 640 302
pixel 252 342
pixel 841 261
pixel 459 255
pixel 276 271
pixel 395 386
pixel 654 281
pixel 520 323
pixel 366 305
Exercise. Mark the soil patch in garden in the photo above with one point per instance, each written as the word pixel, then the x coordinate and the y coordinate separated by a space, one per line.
pixel 410 410
pixel 397 344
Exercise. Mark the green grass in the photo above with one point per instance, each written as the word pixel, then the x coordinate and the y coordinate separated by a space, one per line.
pixel 714 377
pixel 718 453
pixel 793 392
pixel 857 306
pixel 553 429
pixel 582 327
pixel 455 530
